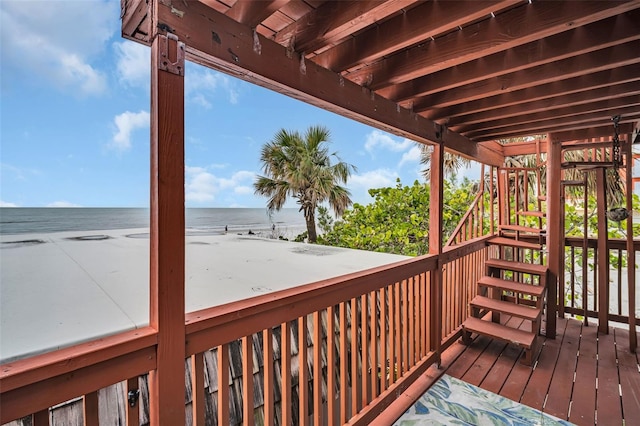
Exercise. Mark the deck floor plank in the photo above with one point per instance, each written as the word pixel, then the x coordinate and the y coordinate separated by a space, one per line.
pixel 607 410
pixel 494 380
pixel 478 371
pixel 629 378
pixel 584 390
pixel 468 357
pixel 538 386
pixel 518 378
pixel 561 385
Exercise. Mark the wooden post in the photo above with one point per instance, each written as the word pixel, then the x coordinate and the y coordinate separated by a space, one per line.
pixel 555 241
pixel 436 186
pixel 631 255
pixel 603 252
pixel 166 383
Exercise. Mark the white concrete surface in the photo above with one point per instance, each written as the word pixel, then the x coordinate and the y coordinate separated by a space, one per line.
pixel 65 291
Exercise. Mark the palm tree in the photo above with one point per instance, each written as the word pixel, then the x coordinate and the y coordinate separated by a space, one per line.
pixel 300 167
pixel 452 163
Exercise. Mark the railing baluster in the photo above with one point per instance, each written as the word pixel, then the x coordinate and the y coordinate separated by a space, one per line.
pixel 364 324
pixel 331 364
pixel 303 381
pixel 411 321
pixel 355 383
pixel 41 418
pixel 285 372
pixel 317 368
pixel 247 380
pixel 267 363
pixel 132 412
pixel 619 271
pixel 343 363
pixel 197 389
pixel 90 409
pixel 397 368
pixel 388 370
pixel 375 319
pixel 384 323
pixel 223 384
pixel 404 318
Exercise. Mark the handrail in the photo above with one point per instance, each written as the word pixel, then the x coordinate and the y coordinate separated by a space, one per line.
pixel 463 221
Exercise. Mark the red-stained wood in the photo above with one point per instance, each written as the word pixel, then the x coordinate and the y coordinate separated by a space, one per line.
pixel 197 389
pixel 90 409
pixel 317 368
pixel 376 321
pixel 331 366
pixel 496 377
pixel 355 343
pixel 631 272
pixel 629 378
pixel 608 382
pixel 603 258
pixel 555 240
pixel 343 363
pixel 247 380
pixel 268 375
pixel 384 324
pixel 468 357
pixel 411 301
pixel 285 374
pixel 584 388
pixel 132 413
pixel 399 341
pixel 483 364
pixel 223 384
pixel 364 344
pixel 252 13
pixel 41 418
pixel 436 198
pixel 167 227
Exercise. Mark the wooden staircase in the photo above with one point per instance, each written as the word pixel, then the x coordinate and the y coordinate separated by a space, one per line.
pixel 511 286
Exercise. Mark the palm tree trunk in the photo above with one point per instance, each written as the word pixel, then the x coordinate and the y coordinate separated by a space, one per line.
pixel 310 218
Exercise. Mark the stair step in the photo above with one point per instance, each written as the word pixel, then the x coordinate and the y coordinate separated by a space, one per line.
pixel 542 197
pixel 499 331
pixel 532 213
pixel 493 305
pixel 514 286
pixel 510 242
pixel 572 182
pixel 520 228
pixel 527 268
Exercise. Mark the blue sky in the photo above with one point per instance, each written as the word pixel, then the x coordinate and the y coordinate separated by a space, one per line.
pixel 75 119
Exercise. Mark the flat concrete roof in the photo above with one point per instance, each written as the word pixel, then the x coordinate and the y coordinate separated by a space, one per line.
pixel 64 288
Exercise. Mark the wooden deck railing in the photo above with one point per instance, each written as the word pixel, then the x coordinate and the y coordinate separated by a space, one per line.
pixel 580 292
pixel 380 327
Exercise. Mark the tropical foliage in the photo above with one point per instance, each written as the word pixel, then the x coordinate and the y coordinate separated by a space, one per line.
pixel 301 167
pixel 397 221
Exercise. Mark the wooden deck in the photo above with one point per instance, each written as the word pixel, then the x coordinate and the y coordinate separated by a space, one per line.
pixel 580 376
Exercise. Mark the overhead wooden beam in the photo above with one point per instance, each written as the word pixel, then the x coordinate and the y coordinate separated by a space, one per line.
pixel 617 56
pixel 629 113
pixel 560 89
pixel 587 97
pixel 597 131
pixel 251 13
pixel 582 40
pixel 625 100
pixel 334 20
pixel 135 20
pixel 216 41
pixel 515 27
pixel 428 19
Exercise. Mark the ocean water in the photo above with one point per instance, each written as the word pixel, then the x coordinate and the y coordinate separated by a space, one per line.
pixel 18 220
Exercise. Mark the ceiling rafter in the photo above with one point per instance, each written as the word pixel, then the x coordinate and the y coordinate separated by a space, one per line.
pixel 582 40
pixel 252 13
pixel 429 19
pixel 516 27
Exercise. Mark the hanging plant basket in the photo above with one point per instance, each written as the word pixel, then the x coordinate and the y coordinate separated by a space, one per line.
pixel 618 214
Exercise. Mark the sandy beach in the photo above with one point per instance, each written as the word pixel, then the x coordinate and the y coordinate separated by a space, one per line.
pixel 64 288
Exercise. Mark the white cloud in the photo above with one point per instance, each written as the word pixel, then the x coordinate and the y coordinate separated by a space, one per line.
pixel 380 140
pixel 19 173
pixel 62 204
pixel 133 63
pixel 203 186
pixel 202 83
pixel 126 123
pixel 379 178
pixel 7 204
pixel 411 156
pixel 39 40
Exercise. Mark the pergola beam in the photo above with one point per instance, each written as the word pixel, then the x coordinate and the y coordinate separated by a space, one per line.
pixel 216 41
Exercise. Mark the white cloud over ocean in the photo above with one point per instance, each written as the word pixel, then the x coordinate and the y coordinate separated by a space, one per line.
pixel 125 124
pixel 41 43
pixel 63 204
pixel 202 186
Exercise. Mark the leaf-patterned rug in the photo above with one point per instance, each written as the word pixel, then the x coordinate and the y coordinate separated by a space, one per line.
pixel 453 402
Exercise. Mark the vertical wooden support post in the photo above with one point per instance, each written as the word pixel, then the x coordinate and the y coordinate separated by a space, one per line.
pixel 247 380
pixel 41 418
pixel 435 244
pixel 223 384
pixel 555 240
pixel 197 389
pixel 631 255
pixel 269 380
pixel 90 409
pixel 603 252
pixel 166 383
